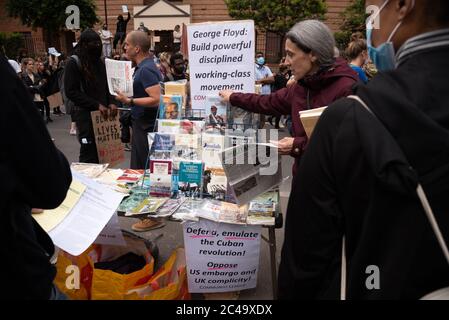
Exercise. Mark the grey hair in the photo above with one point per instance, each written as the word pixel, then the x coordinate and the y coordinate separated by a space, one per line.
pixel 314 36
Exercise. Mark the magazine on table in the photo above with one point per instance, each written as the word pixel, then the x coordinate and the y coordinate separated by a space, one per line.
pixel 220 211
pixel 130 176
pixel 170 107
pixel 217 114
pixel 212 146
pixel 184 126
pixel 251 170
pixel 168 208
pixel 190 176
pixel 161 177
pixel 148 205
pixel 215 183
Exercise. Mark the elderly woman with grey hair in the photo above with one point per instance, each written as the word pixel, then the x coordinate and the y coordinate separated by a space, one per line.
pixel 321 79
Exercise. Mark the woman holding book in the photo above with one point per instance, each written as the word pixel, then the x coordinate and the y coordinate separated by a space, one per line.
pixel 321 79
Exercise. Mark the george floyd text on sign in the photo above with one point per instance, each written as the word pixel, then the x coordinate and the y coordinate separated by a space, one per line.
pixel 110 148
pixel 221 257
pixel 221 57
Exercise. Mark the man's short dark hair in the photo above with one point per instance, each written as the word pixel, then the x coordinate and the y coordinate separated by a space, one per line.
pixel 175 57
pixel 140 39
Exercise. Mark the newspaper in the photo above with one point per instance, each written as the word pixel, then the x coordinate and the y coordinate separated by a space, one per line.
pixel 120 77
pixel 220 211
pixel 90 170
pixel 251 170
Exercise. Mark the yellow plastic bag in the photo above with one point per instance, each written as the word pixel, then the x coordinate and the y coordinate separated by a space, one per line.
pixel 64 275
pixel 168 283
pixel 97 284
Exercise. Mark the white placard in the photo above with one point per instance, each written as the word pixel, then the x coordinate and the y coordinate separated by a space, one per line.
pixel 125 9
pixel 221 257
pixel 120 76
pixel 221 57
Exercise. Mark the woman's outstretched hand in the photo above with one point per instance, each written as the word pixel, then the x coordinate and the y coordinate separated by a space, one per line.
pixel 225 95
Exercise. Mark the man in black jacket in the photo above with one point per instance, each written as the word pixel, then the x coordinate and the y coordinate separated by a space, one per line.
pixel 86 85
pixel 35 175
pixel 120 32
pixel 359 175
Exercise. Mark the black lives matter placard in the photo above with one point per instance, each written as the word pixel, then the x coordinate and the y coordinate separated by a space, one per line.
pixel 107 137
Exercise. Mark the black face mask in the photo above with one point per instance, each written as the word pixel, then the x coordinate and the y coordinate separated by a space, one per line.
pixel 179 69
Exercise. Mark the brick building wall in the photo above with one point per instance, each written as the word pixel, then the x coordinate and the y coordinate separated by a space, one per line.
pixel 208 10
pixel 334 10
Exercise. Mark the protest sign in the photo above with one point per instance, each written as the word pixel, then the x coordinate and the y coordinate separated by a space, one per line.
pixel 221 57
pixel 55 100
pixel 221 257
pixel 107 137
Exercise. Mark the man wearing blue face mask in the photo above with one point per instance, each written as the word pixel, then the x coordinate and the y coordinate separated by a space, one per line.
pixel 264 76
pixel 367 158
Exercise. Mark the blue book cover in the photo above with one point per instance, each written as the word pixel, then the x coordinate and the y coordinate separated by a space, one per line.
pixel 170 107
pixel 190 172
pixel 163 142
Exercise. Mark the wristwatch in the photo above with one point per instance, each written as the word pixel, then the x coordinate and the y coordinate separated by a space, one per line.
pixel 131 102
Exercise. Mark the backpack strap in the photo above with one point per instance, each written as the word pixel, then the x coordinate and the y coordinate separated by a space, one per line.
pixel 424 202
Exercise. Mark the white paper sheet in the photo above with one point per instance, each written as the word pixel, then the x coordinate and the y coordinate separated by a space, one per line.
pixel 120 76
pixel 88 218
pixel 112 234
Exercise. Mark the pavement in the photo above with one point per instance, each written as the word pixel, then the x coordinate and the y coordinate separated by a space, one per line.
pixel 172 232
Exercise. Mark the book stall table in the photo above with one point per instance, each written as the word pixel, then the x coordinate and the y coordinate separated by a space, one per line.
pixel 275 222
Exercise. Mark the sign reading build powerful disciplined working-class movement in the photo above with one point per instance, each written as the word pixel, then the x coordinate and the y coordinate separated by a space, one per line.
pixel 221 57
pixel 221 257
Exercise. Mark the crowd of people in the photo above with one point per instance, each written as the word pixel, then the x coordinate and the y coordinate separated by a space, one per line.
pixel 376 164
pixel 80 78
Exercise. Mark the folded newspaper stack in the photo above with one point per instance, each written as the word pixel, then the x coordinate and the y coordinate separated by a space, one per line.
pixel 263 208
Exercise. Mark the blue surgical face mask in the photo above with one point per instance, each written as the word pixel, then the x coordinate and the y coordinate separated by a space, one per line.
pixel 260 61
pixel 384 56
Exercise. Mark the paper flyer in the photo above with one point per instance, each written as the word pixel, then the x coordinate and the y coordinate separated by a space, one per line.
pixel 120 76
